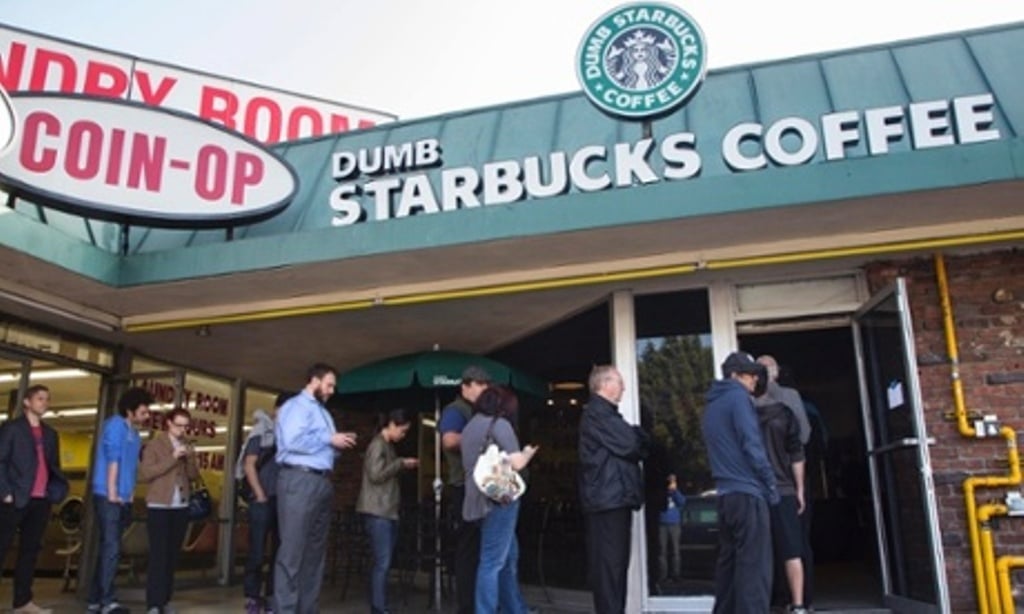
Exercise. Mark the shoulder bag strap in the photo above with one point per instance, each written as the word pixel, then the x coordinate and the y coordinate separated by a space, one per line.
pixel 489 437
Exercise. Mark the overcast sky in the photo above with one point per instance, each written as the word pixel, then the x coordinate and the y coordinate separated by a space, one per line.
pixel 416 58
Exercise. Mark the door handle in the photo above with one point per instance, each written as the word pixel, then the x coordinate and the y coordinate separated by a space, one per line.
pixel 906 442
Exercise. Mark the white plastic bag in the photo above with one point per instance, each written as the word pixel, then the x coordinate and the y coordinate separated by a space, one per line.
pixel 495 477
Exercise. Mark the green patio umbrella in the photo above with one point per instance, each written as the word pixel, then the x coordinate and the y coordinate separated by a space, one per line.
pixel 438 369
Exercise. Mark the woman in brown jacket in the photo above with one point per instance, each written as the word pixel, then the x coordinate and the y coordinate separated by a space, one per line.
pixel 168 467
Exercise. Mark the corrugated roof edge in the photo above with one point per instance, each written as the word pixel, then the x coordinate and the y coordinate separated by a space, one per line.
pixel 814 56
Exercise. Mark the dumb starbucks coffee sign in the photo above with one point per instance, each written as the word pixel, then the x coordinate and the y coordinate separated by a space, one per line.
pixel 641 60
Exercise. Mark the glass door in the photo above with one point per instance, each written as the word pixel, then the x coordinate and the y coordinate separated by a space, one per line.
pixel 913 568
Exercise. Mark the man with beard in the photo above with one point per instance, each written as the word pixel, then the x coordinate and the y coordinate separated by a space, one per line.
pixel 307 444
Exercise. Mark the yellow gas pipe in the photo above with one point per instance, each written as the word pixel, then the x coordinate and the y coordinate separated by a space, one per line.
pixel 988 551
pixel 1003 566
pixel 981 564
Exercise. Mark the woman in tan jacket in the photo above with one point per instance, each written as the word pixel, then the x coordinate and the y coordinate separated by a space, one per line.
pixel 168 467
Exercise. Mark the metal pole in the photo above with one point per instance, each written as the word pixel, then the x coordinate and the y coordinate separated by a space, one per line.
pixel 438 486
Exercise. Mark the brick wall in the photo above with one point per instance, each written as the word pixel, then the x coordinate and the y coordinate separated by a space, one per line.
pixel 987 295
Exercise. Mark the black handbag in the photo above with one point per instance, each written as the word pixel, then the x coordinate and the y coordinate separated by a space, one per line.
pixel 200 504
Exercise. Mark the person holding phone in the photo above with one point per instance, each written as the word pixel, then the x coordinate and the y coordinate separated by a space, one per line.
pixel 307 444
pixel 380 497
pixel 168 467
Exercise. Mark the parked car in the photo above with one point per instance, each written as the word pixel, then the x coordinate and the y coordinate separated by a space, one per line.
pixel 698 537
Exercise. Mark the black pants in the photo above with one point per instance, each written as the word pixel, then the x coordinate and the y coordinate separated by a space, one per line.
pixel 743 576
pixel 607 535
pixel 467 554
pixel 30 522
pixel 808 553
pixel 165 528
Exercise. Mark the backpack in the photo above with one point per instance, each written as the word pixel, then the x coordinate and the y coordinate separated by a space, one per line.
pixel 243 489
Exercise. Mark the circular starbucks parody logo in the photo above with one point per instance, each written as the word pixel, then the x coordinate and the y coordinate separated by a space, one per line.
pixel 641 60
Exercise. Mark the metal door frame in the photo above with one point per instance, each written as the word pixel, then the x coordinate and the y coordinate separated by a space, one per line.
pixel 912 387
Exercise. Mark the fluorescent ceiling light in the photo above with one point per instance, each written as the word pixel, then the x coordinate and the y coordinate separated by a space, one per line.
pixel 74 413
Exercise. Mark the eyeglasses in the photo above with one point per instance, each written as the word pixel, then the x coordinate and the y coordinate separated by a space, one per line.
pixel 180 425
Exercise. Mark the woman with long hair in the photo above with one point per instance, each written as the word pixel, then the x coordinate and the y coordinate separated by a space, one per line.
pixel 497 582
pixel 379 499
pixel 168 467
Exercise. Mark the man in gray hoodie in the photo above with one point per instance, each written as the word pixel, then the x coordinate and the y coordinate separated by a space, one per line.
pixel 745 483
pixel 781 435
pixel 790 397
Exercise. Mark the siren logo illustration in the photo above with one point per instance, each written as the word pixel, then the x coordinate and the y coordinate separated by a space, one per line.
pixel 641 60
pixel 8 122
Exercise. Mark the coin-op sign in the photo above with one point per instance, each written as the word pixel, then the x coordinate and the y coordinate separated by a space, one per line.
pixel 118 160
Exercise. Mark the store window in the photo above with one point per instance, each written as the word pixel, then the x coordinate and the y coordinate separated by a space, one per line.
pixel 675 366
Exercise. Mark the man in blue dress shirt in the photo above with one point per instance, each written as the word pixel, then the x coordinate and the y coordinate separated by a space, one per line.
pixel 307 444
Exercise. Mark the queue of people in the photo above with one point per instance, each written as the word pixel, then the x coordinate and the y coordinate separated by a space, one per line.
pixel 751 427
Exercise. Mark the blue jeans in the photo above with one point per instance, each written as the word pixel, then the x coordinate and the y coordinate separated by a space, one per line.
pixel 383 534
pixel 497 577
pixel 262 523
pixel 111 520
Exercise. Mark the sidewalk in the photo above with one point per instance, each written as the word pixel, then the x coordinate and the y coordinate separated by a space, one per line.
pixel 204 596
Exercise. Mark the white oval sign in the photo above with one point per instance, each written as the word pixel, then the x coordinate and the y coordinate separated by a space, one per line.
pixel 8 121
pixel 119 160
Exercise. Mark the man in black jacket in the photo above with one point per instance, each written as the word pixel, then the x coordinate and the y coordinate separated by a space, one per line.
pixel 30 481
pixel 611 487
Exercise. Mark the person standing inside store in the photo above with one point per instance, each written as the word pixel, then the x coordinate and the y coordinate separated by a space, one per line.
pixel 168 468
pixel 257 470
pixel 497 578
pixel 380 498
pixel 611 487
pixel 781 435
pixel 745 485
pixel 31 481
pixel 115 464
pixel 467 534
pixel 669 521
pixel 307 444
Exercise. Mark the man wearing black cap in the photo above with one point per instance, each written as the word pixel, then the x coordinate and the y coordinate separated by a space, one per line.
pixel 467 535
pixel 746 487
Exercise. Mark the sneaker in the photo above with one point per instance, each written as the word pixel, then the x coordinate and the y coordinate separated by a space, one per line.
pixel 252 606
pixel 797 609
pixel 31 608
pixel 93 608
pixel 153 611
pixel 116 608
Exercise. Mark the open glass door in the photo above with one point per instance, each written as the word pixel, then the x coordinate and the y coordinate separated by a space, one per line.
pixel 913 568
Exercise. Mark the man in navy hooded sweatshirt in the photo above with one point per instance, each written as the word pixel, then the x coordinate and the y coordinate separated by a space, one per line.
pixel 746 487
